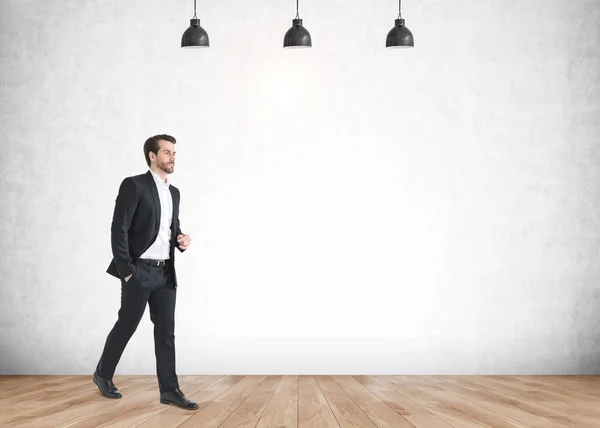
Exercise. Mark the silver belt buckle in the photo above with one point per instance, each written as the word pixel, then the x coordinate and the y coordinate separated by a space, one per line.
pixel 158 263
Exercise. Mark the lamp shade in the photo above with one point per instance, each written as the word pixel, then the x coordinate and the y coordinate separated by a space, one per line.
pixel 399 36
pixel 297 36
pixel 194 36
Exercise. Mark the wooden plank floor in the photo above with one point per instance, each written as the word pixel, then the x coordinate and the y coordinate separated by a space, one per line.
pixel 307 402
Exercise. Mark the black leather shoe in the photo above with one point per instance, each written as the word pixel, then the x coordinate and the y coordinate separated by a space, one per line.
pixel 176 397
pixel 106 387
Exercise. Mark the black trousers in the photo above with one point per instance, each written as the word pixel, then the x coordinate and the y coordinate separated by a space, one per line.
pixel 155 286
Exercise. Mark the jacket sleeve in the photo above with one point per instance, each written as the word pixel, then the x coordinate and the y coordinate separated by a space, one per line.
pixel 125 206
pixel 177 226
pixel 177 234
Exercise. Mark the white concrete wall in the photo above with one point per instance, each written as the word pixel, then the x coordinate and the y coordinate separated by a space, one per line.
pixel 353 209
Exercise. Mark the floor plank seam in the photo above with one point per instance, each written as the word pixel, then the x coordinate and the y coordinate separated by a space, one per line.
pixel 268 402
pixel 242 402
pixel 327 401
pixel 435 414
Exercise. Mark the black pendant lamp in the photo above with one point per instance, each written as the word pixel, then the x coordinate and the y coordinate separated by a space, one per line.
pixel 297 36
pixel 194 37
pixel 399 37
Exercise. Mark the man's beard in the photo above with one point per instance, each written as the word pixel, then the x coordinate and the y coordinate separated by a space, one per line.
pixel 167 167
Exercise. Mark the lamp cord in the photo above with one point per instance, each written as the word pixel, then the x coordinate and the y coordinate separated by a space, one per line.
pixel 195 17
pixel 399 9
pixel 297 16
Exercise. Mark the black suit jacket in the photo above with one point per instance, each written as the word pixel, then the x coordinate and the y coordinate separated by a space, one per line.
pixel 135 224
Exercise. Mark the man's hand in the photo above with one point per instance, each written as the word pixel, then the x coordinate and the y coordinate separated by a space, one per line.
pixel 127 278
pixel 184 241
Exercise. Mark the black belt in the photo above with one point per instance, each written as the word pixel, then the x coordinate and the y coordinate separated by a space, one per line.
pixel 153 263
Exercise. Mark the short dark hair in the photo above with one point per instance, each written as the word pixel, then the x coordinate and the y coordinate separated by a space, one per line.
pixel 152 145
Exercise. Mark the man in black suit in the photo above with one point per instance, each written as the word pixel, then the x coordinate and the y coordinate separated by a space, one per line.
pixel 144 233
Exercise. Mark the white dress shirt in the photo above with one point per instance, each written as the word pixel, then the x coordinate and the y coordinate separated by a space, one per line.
pixel 160 248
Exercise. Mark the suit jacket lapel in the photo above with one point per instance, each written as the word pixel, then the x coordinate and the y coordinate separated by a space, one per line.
pixel 175 212
pixel 154 192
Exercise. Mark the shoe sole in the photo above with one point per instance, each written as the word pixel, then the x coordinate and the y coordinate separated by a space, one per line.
pixel 101 393
pixel 163 401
